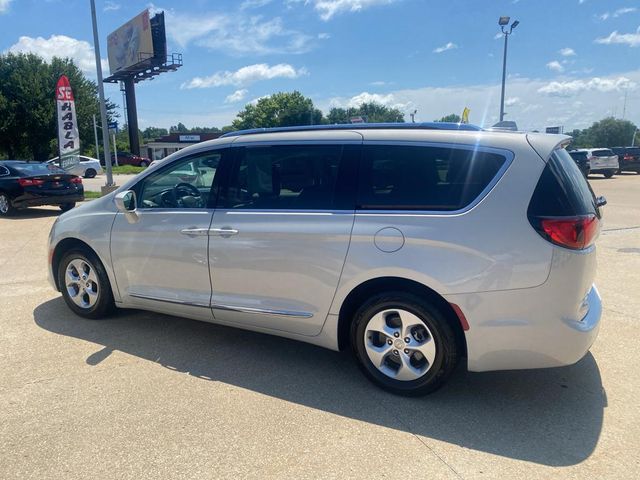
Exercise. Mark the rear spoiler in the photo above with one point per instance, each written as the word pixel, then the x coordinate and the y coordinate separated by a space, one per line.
pixel 544 144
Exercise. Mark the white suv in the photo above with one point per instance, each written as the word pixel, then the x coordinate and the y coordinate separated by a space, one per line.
pixel 414 245
pixel 601 160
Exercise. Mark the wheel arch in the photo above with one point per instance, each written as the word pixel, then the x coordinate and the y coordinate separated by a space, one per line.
pixel 365 290
pixel 63 246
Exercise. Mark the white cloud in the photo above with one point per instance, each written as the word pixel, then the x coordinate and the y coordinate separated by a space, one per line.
pixel 498 36
pixel 631 39
pixel 567 52
pixel 444 48
pixel 617 13
pixel 246 76
pixel 365 97
pixel 4 5
pixel 573 87
pixel 324 36
pixel 237 96
pixel 80 51
pixel 235 33
pixel 329 8
pixel 111 6
pixel 254 4
pixel 511 101
pixel 555 65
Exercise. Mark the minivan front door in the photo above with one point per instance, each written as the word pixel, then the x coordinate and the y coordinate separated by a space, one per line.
pixel 280 234
pixel 161 261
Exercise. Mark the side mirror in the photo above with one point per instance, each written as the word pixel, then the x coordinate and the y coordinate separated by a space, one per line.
pixel 601 201
pixel 127 204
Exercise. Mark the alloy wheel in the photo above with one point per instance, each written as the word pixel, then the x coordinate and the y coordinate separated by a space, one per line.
pixel 82 283
pixel 399 344
pixel 4 204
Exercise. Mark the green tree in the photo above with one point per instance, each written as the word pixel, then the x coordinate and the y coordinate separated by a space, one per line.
pixel 27 106
pixel 452 117
pixel 372 112
pixel 180 128
pixel 281 109
pixel 610 132
pixel 151 133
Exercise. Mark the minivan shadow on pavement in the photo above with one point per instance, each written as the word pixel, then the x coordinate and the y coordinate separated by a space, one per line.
pixel 551 417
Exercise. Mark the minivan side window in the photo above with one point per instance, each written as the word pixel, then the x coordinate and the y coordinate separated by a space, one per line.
pixel 284 177
pixel 187 183
pixel 399 177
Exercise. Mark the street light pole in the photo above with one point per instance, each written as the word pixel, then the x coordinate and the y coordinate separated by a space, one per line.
pixel 103 109
pixel 504 21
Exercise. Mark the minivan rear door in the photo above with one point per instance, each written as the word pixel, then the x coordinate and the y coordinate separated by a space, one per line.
pixel 281 231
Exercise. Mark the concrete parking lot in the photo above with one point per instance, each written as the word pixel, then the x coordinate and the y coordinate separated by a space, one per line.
pixel 143 395
pixel 94 184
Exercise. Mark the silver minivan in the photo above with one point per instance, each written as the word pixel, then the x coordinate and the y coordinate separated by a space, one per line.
pixel 416 246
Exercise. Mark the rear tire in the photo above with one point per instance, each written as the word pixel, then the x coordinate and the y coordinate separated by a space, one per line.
pixel 90 173
pixel 411 341
pixel 6 209
pixel 85 285
pixel 65 207
pixel 144 163
pixel 609 173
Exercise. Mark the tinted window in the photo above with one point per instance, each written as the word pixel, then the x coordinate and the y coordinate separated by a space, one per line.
pixel 578 155
pixel 186 183
pixel 32 169
pixel 562 190
pixel 424 178
pixel 285 177
pixel 633 150
pixel 602 153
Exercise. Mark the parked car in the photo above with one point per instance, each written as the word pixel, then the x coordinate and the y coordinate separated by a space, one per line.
pixel 414 245
pixel 580 157
pixel 601 160
pixel 88 167
pixel 30 184
pixel 126 158
pixel 628 158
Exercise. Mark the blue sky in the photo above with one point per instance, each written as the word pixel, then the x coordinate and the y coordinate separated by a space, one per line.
pixel 571 62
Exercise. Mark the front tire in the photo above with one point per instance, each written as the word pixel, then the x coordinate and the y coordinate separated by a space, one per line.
pixel 144 163
pixel 84 284
pixel 90 173
pixel 65 207
pixel 6 209
pixel 404 344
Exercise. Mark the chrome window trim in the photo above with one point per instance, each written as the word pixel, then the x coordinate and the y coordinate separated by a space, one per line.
pixel 261 311
pixel 168 300
pixel 507 154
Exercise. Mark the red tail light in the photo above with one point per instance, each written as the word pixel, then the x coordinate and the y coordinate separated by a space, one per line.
pixel 627 157
pixel 570 232
pixel 29 182
pixel 76 180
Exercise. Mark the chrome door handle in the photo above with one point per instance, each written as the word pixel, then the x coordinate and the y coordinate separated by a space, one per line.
pixel 223 232
pixel 195 232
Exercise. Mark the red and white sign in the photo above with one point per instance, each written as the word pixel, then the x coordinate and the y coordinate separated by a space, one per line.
pixel 68 136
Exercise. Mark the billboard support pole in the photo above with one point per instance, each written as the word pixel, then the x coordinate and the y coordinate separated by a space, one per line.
pixel 132 115
pixel 103 109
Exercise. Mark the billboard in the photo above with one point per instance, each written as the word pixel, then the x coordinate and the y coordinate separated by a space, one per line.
pixel 131 43
pixel 68 136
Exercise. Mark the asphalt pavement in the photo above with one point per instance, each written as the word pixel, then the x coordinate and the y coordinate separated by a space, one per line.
pixel 143 395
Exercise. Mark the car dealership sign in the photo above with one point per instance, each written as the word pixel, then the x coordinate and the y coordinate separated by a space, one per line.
pixel 68 136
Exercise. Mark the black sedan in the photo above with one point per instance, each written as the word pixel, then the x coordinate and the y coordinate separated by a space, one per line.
pixel 31 184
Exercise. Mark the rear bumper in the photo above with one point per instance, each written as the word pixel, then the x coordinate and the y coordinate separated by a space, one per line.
pixel 37 201
pixel 633 166
pixel 499 338
pixel 603 166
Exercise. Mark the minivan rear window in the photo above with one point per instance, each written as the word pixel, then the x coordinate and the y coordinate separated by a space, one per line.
pixel 562 190
pixel 399 177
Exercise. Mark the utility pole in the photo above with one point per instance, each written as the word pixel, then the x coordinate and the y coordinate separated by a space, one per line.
pixel 103 108
pixel 95 135
pixel 413 116
pixel 504 21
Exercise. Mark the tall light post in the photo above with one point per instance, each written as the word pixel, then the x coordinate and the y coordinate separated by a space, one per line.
pixel 103 109
pixel 504 22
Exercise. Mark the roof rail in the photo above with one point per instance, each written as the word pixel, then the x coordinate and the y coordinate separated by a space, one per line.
pixel 358 126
